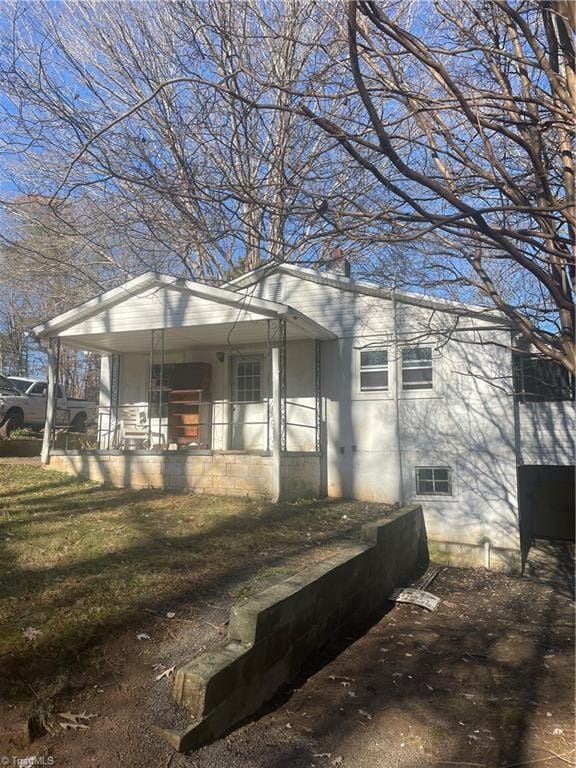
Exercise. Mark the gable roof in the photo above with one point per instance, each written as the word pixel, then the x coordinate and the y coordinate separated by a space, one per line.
pixel 136 286
pixel 364 287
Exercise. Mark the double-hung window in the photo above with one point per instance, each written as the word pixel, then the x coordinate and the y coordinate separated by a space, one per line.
pixel 433 481
pixel 416 368
pixel 373 370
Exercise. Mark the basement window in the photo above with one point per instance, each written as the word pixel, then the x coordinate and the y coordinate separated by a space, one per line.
pixel 373 370
pixel 416 368
pixel 433 481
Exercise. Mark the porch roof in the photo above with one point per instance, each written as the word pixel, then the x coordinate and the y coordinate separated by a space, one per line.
pixel 192 314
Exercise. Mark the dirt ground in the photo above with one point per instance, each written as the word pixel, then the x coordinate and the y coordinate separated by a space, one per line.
pixel 486 680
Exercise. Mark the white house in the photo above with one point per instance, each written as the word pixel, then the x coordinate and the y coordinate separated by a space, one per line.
pixel 290 382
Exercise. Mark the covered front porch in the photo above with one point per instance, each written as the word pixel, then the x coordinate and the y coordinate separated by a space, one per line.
pixel 223 395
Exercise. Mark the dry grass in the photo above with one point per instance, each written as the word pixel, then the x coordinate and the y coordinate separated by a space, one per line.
pixel 82 563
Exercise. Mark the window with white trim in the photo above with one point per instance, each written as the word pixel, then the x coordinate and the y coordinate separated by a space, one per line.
pixel 433 481
pixel 417 368
pixel 373 370
pixel 248 381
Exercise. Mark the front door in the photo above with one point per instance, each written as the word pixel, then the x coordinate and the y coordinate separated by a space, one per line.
pixel 248 407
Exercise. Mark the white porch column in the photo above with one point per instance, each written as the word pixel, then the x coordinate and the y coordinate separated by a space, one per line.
pixel 50 400
pixel 105 403
pixel 276 422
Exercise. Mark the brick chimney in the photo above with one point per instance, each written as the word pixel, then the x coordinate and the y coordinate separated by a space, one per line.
pixel 337 264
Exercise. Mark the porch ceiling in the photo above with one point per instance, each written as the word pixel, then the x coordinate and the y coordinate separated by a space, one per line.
pixel 188 337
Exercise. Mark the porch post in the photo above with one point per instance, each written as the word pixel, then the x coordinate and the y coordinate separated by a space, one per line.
pixel 276 423
pixel 53 345
pixel 108 400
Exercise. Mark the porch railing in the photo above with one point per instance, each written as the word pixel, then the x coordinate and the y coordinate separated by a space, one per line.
pixel 223 429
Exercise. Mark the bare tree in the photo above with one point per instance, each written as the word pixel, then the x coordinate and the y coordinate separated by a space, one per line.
pixel 469 115
pixel 116 121
pixel 445 142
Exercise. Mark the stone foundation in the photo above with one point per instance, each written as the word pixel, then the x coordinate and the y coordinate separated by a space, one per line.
pixel 220 473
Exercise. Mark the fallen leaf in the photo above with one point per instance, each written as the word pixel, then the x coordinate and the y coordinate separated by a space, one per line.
pixel 142 636
pixel 72 720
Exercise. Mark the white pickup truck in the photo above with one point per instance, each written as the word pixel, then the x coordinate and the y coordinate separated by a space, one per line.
pixel 23 404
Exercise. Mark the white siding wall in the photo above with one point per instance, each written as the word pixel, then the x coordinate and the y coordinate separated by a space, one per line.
pixel 159 308
pixel 546 433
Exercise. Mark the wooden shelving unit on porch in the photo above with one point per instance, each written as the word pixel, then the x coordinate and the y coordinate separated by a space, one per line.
pixel 189 417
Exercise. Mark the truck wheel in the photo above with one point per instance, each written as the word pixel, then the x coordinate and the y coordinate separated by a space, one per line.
pixel 13 421
pixel 79 423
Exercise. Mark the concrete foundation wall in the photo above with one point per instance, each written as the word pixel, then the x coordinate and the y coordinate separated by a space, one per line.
pixel 272 635
pixel 218 473
pixel 502 559
pixel 225 473
pixel 300 476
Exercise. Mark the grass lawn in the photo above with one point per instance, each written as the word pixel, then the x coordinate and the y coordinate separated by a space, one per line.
pixel 82 563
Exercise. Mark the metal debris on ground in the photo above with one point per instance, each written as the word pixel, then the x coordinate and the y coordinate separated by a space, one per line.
pixel 427 579
pixel 416 597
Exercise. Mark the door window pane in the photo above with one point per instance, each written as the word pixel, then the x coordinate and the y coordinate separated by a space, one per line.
pixel 248 381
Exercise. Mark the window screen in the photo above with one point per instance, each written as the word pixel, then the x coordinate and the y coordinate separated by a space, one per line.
pixel 433 481
pixel 373 370
pixel 248 381
pixel 417 368
pixel 539 380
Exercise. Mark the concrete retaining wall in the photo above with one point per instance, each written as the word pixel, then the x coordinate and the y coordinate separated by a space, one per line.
pixel 272 635
pixel 215 473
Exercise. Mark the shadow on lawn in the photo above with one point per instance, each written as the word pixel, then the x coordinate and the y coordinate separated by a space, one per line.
pixel 162 571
